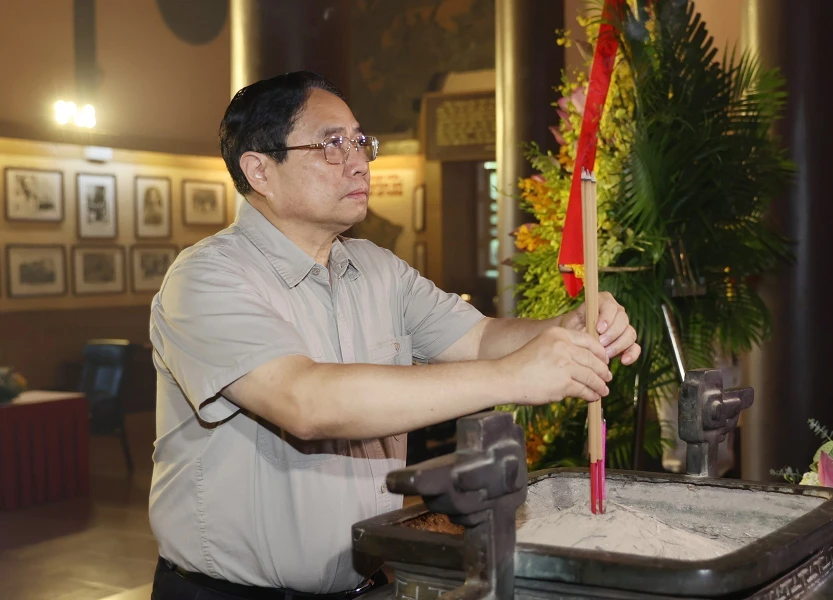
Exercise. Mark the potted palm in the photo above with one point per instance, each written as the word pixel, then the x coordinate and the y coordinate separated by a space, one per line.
pixel 686 159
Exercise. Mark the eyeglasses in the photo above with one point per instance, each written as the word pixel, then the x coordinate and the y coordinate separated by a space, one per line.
pixel 337 148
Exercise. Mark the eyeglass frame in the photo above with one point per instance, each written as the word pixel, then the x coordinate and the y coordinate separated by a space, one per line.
pixel 353 143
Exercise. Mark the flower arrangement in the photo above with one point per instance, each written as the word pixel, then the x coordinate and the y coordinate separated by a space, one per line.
pixel 685 158
pixel 821 469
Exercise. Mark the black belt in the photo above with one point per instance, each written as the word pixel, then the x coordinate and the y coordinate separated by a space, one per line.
pixel 254 592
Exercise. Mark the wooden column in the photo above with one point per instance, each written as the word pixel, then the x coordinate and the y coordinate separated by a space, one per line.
pixel 790 374
pixel 528 65
pixel 269 38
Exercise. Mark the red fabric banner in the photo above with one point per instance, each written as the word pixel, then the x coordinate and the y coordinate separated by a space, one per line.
pixel 604 58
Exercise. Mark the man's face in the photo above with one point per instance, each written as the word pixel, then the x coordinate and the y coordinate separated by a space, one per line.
pixel 309 189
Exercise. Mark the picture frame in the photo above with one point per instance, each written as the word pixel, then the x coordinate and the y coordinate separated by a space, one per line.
pixel 34 195
pixel 419 208
pixel 34 270
pixel 97 206
pixel 98 269
pixel 152 207
pixel 149 264
pixel 203 202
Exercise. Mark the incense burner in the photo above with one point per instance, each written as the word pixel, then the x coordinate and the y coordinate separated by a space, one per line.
pixel 486 529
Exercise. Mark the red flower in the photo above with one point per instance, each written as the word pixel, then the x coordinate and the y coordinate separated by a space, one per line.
pixel 825 470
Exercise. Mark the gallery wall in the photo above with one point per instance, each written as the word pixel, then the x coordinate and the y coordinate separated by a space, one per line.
pixel 75 233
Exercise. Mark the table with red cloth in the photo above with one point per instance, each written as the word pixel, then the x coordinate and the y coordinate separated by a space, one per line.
pixel 44 448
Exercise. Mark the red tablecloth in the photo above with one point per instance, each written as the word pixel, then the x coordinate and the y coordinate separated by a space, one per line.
pixel 44 448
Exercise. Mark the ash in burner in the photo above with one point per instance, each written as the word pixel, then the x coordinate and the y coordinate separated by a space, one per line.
pixel 667 519
pixel 621 529
pixel 675 520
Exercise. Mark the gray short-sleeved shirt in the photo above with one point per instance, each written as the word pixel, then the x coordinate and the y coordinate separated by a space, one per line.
pixel 233 496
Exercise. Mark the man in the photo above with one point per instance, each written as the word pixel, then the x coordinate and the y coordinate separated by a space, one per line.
pixel 284 354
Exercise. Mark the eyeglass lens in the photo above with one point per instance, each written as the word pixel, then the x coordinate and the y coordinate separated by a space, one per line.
pixel 337 148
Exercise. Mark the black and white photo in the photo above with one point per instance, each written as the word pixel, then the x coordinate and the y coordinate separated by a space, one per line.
pixel 35 270
pixel 34 195
pixel 98 270
pixel 149 264
pixel 97 213
pixel 153 207
pixel 203 203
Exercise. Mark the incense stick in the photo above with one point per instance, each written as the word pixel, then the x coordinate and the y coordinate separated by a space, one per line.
pixel 591 300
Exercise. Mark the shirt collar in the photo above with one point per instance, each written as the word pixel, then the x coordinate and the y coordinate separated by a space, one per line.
pixel 292 263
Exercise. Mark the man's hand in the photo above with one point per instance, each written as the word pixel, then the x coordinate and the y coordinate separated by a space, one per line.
pixel 615 331
pixel 558 363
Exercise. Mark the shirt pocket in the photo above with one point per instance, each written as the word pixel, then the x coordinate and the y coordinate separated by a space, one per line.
pixel 395 351
pixel 283 449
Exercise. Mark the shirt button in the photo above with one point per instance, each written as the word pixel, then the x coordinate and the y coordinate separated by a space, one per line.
pixel 316 270
pixel 383 489
pixel 396 345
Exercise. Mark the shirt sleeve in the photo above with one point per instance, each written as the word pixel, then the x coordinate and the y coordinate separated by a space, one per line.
pixel 211 325
pixel 434 318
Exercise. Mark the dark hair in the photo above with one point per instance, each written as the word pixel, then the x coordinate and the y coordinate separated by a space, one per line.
pixel 262 115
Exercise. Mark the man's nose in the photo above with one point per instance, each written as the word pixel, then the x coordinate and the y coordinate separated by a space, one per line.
pixel 356 161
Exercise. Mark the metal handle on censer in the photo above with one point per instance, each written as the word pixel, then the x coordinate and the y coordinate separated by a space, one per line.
pixel 480 486
pixel 707 414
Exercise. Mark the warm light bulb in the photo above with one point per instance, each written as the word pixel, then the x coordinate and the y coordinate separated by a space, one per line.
pixel 64 111
pixel 86 117
pixel 68 111
pixel 60 112
pixel 465 297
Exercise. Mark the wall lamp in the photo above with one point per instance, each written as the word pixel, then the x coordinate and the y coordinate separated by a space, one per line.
pixel 66 112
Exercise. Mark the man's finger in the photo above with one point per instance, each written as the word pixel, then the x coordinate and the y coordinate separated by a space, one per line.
pixel 582 339
pixel 587 377
pixel 625 341
pixel 587 359
pixel 631 354
pixel 608 309
pixel 617 327
pixel 578 390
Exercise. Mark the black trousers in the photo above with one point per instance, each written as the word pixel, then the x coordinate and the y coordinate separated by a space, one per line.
pixel 169 584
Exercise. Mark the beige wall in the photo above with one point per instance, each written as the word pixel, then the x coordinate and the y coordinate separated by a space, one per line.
pixel 155 85
pixel 38 63
pixel 125 165
pixel 396 207
pixel 157 92
pixel 573 8
pixel 724 20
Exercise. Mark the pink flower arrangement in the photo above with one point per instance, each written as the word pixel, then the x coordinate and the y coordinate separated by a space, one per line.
pixel 825 470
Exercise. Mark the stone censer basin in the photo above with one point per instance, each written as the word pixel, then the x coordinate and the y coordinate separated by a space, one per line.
pixel 486 529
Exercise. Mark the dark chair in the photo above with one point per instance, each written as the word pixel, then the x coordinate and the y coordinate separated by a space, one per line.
pixel 102 378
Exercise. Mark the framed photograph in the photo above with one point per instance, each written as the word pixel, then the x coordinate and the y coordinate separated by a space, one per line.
pixel 98 270
pixel 152 207
pixel 149 265
pixel 34 195
pixel 421 258
pixel 36 271
pixel 96 197
pixel 419 208
pixel 203 203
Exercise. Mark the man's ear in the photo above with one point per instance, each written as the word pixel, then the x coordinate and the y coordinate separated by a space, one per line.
pixel 253 165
